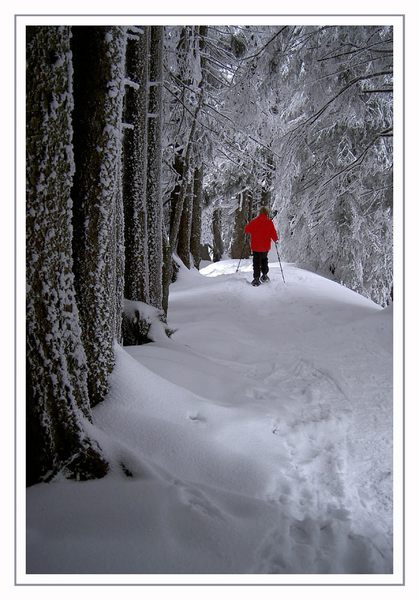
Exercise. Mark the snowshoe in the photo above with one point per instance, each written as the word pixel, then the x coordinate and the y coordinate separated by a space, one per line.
pixel 265 279
pixel 255 282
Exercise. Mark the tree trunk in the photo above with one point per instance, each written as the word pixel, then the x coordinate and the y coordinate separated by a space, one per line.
pixel 266 195
pixel 167 269
pixel 99 60
pixel 218 247
pixel 196 216
pixel 184 185
pixel 119 254
pixel 57 391
pixel 185 228
pixel 154 192
pixel 240 247
pixel 187 174
pixel 179 167
pixel 135 170
pixel 167 248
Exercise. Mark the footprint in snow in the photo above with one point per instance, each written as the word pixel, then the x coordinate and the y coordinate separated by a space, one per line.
pixel 311 545
pixel 198 502
pixel 197 418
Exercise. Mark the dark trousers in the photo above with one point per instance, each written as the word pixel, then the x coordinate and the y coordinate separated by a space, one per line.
pixel 260 263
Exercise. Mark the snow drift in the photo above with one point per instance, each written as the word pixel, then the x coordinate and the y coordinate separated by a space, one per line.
pixel 257 440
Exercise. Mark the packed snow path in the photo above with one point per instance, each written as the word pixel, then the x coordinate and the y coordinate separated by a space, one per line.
pixel 258 439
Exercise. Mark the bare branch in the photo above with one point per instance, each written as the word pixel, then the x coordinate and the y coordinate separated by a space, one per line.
pixel 246 58
pixel 357 51
pixel 378 91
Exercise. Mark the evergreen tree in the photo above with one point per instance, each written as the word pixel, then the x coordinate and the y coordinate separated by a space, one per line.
pixel 307 116
pixel 196 220
pixel 58 404
pixel 154 167
pixel 218 247
pixel 240 247
pixel 99 61
pixel 185 227
pixel 135 167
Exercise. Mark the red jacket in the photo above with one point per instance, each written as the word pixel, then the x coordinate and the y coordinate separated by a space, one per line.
pixel 262 231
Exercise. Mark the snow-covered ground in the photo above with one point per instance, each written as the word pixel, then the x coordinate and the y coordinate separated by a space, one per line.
pixel 257 440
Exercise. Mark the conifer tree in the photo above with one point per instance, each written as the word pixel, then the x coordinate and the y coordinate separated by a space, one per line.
pixel 154 168
pixel 58 405
pixel 135 166
pixel 99 60
pixel 196 221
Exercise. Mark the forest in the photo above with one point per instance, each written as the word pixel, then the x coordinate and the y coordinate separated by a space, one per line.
pixel 148 150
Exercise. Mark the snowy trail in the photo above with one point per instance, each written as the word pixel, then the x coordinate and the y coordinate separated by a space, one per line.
pixel 258 438
pixel 313 423
pixel 278 330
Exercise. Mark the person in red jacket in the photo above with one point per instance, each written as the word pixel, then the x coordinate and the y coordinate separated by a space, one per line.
pixel 262 231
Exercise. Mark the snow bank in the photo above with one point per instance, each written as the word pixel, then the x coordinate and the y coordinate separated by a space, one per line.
pixel 257 440
pixel 144 320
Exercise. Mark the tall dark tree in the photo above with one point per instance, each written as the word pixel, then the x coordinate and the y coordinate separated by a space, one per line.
pixel 135 167
pixel 154 167
pixel 218 247
pixel 196 220
pixel 186 205
pixel 239 244
pixel 58 404
pixel 99 71
pixel 185 227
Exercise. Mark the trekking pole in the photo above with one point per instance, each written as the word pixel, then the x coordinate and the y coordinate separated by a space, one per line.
pixel 241 254
pixel 280 264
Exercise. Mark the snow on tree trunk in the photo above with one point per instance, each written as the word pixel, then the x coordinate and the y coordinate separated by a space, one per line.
pixel 99 58
pixel 266 192
pixel 196 216
pixel 218 248
pixel 57 392
pixel 179 168
pixel 135 169
pixel 185 228
pixel 239 244
pixel 119 254
pixel 154 165
pixel 307 115
pixel 193 46
pixel 167 270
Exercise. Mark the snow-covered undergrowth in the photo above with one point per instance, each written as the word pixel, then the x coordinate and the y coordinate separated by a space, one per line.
pixel 257 440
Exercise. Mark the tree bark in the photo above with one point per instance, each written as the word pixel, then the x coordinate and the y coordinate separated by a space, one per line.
pixel 196 216
pixel 154 193
pixel 266 195
pixel 167 269
pixel 218 248
pixel 99 59
pixel 188 167
pixel 135 170
pixel 240 247
pixel 57 398
pixel 185 228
